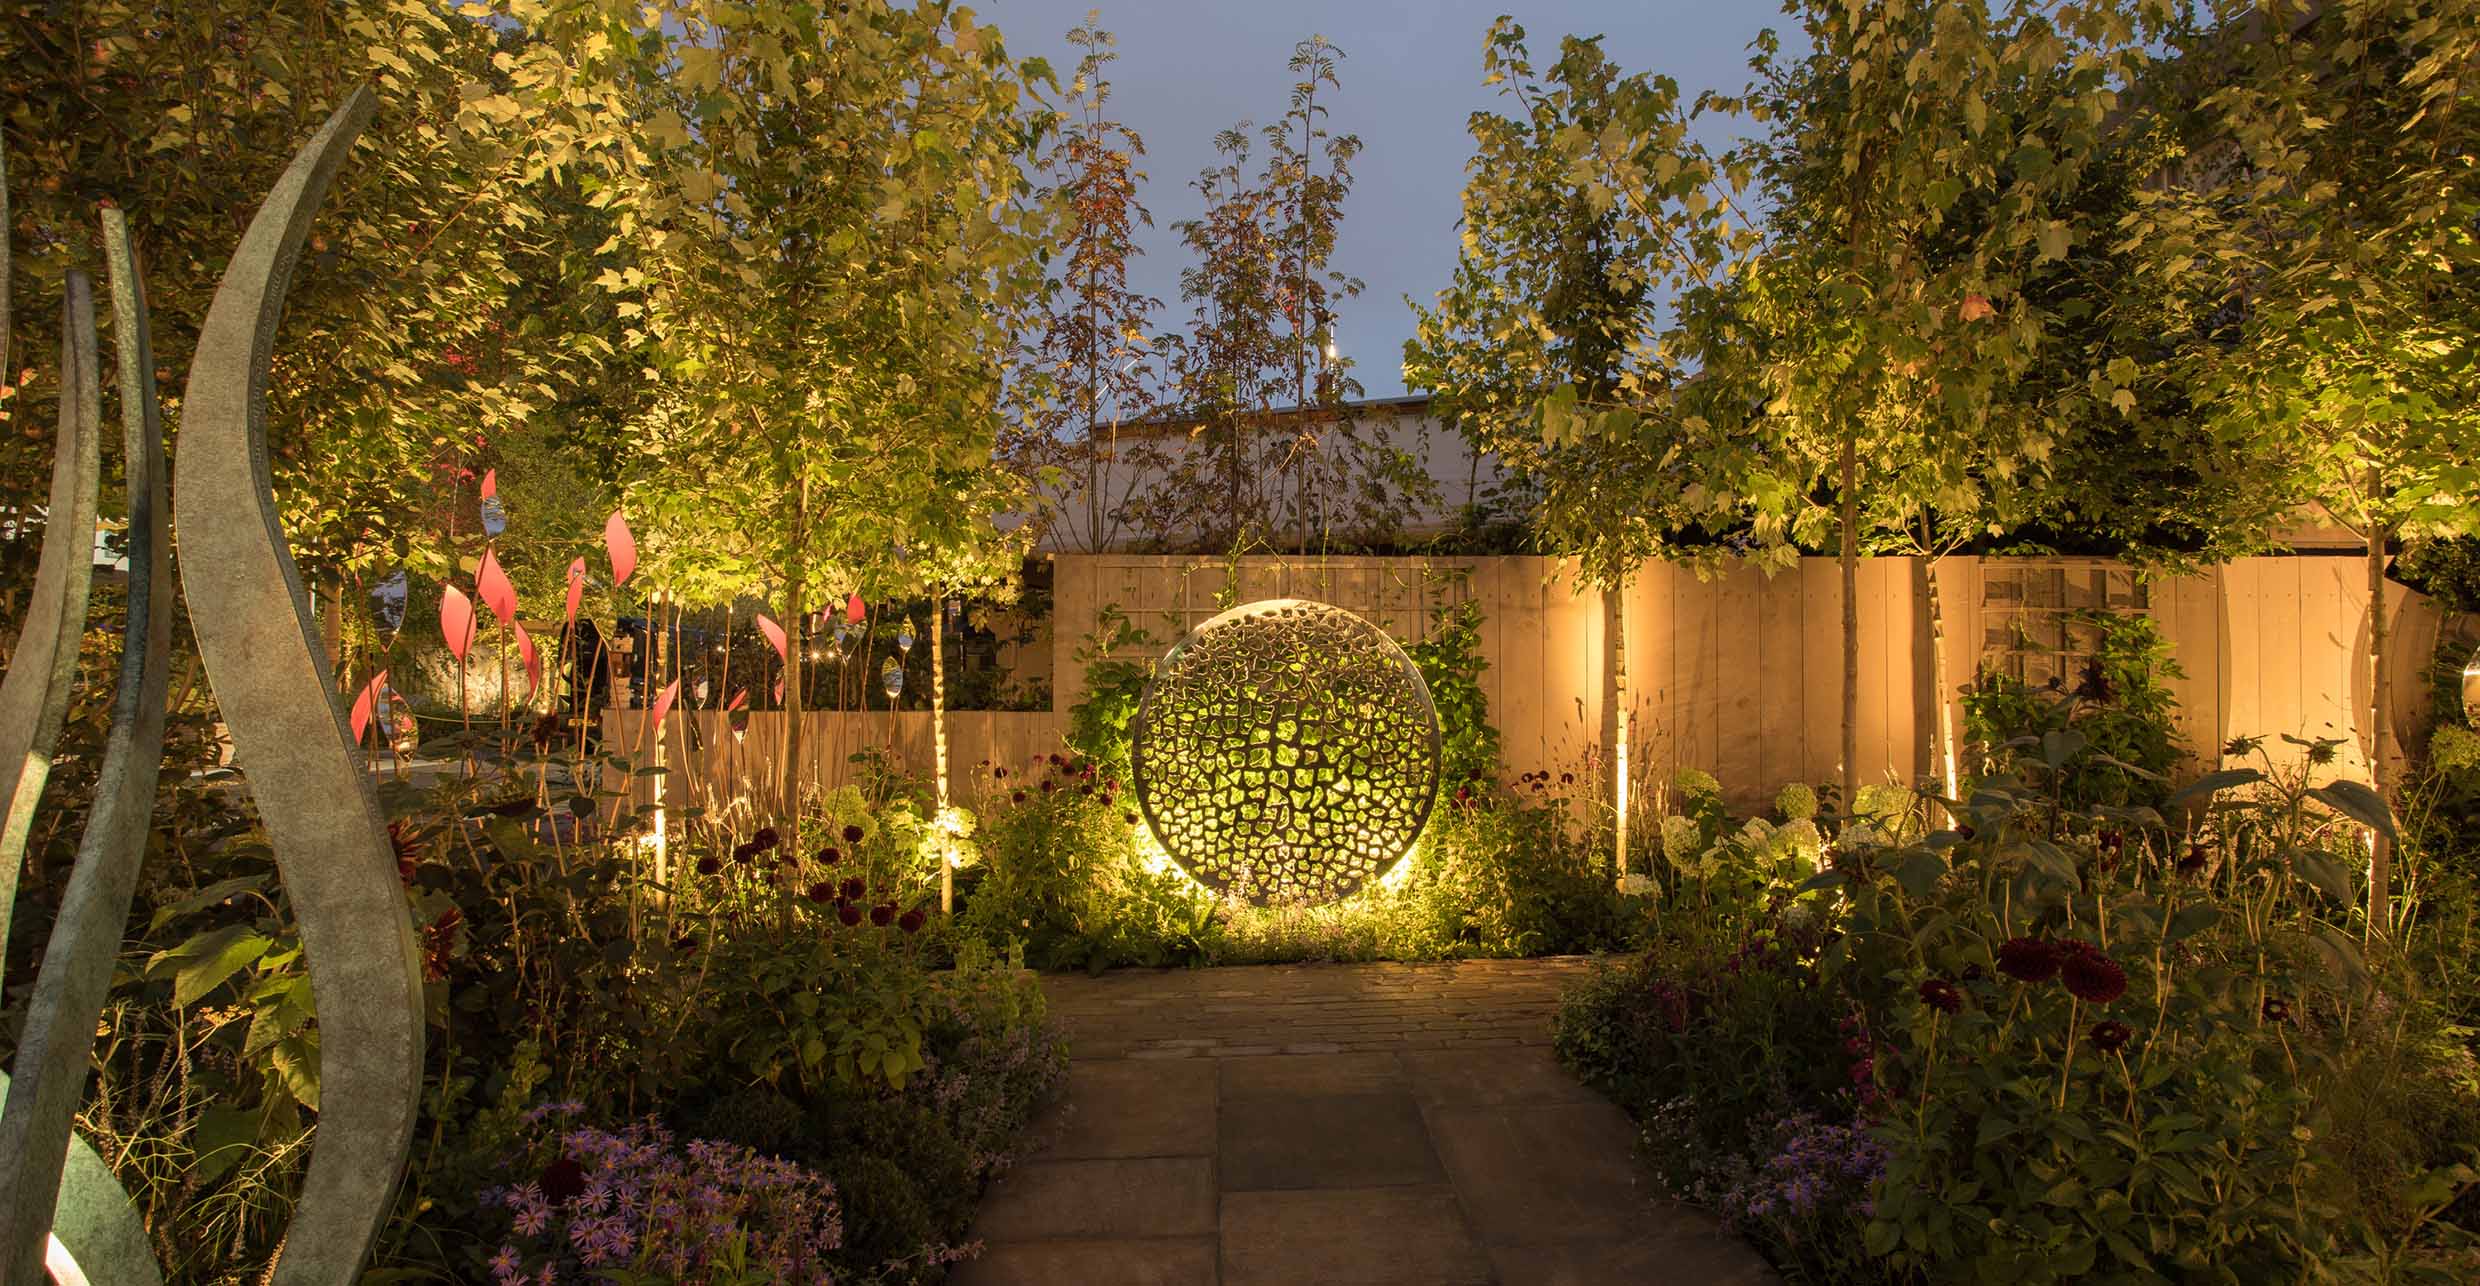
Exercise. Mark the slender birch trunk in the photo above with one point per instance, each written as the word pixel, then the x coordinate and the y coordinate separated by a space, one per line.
pixel 2380 775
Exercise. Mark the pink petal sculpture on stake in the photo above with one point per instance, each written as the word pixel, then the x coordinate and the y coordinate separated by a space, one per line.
pixel 490 483
pixel 739 699
pixel 663 704
pixel 365 703
pixel 775 635
pixel 853 608
pixel 532 657
pixel 456 621
pixel 621 545
pixel 492 583
pixel 576 588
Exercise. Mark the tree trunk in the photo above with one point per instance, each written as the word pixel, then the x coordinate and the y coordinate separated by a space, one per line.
pixel 1849 557
pixel 1619 754
pixel 938 743
pixel 796 607
pixel 1937 682
pixel 2380 853
pixel 331 633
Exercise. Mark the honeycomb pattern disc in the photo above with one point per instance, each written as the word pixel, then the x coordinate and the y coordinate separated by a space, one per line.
pixel 1286 753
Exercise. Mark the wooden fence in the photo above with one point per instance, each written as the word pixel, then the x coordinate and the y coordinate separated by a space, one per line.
pixel 1739 675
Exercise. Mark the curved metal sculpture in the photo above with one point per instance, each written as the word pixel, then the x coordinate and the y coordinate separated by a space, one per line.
pixel 254 634
pixel 34 699
pixel 272 682
pixel 85 1208
pixel 1286 753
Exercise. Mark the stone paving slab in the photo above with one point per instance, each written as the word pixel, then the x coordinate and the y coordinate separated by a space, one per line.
pixel 1364 1125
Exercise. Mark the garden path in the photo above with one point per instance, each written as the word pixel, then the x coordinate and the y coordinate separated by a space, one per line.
pixel 1349 1124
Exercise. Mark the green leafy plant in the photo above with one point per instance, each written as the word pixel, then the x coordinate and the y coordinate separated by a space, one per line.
pixel 1114 688
pixel 2120 713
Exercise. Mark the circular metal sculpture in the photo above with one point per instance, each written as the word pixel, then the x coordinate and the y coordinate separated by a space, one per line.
pixel 1286 753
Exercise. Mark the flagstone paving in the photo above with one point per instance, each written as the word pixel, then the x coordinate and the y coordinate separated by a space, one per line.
pixel 1360 1125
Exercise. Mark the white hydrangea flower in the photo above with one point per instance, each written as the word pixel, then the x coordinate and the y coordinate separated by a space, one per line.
pixel 1858 832
pixel 1883 801
pixel 1696 783
pixel 1797 801
pixel 1802 839
pixel 1679 838
pixel 1638 886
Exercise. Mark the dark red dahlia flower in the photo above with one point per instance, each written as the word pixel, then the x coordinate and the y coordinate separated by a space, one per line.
pixel 563 1181
pixel 852 834
pixel 2028 959
pixel 765 839
pixel 2092 977
pixel 407 847
pixel 829 856
pixel 853 889
pixel 822 891
pixel 911 921
pixel 2111 1036
pixel 883 914
pixel 710 865
pixel 1941 995
pixel 848 913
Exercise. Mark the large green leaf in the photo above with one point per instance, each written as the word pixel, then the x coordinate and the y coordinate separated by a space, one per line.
pixel 223 1139
pixel 2214 783
pixel 2320 868
pixel 1920 872
pixel 207 961
pixel 2359 802
pixel 280 1015
pixel 296 1060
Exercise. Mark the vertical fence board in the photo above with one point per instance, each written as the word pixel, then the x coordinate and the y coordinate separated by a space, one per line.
pixel 1739 680
pixel 1781 726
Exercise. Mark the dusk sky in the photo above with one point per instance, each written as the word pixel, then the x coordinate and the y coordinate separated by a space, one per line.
pixel 1411 75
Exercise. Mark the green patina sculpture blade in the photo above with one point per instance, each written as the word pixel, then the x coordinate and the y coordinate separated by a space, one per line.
pixel 52 1055
pixel 96 1224
pixel 34 699
pixel 271 679
pixel 5 226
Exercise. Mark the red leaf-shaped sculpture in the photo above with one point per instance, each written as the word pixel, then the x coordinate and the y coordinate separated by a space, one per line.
pixel 621 545
pixel 576 588
pixel 497 593
pixel 663 703
pixel 775 637
pixel 490 483
pixel 532 657
pixel 739 699
pixel 365 703
pixel 853 609
pixel 456 621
